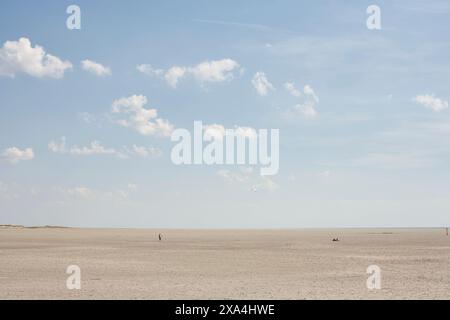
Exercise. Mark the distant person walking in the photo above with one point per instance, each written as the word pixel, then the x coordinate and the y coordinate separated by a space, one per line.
pixel 160 237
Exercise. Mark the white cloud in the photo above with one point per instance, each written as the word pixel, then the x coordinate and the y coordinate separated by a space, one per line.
pixel 58 147
pixel 86 117
pixel 94 148
pixel 266 184
pixel 149 70
pixel 97 120
pixel 214 71
pixel 206 71
pixel 95 68
pixel 144 152
pixel 238 176
pixel 173 75
pixel 308 91
pixel 290 87
pixel 247 177
pixel 261 84
pixel 82 192
pixel 87 193
pixel 20 57
pixel 307 108
pixel 144 121
pixel 14 155
pixel 431 102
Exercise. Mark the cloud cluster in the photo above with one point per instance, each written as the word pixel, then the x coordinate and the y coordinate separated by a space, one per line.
pixel 149 70
pixel 96 148
pixel 140 151
pixel 261 84
pixel 134 115
pixel 82 192
pixel 14 155
pixel 86 193
pixel 206 71
pixel 307 107
pixel 431 102
pixel 21 57
pixel 63 195
pixel 237 176
pixel 290 87
pixel 173 75
pixel 247 177
pixel 214 71
pixel 95 68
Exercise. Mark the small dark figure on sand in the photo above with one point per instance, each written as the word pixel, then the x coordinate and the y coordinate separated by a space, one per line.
pixel 160 237
pixel 335 239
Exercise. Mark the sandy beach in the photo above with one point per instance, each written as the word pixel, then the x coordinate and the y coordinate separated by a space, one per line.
pixel 224 264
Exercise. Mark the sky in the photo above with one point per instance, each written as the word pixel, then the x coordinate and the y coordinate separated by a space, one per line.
pixel 86 114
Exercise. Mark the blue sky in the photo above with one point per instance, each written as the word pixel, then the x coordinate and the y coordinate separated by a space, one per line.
pixel 364 138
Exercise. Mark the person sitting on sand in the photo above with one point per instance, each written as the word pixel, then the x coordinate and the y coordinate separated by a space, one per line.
pixel 335 239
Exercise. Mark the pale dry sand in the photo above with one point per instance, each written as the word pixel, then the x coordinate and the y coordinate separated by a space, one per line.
pixel 224 264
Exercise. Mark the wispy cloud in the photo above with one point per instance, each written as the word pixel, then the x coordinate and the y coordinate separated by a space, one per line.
pixel 261 83
pixel 14 155
pixel 95 68
pixel 431 102
pixel 307 107
pixel 246 177
pixel 206 71
pixel 97 148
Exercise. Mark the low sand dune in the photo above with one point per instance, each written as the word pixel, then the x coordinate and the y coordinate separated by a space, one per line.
pixel 224 264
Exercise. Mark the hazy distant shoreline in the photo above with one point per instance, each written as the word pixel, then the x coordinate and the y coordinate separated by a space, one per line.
pixel 19 226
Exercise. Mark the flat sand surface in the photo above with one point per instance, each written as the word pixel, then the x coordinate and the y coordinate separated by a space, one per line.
pixel 224 264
